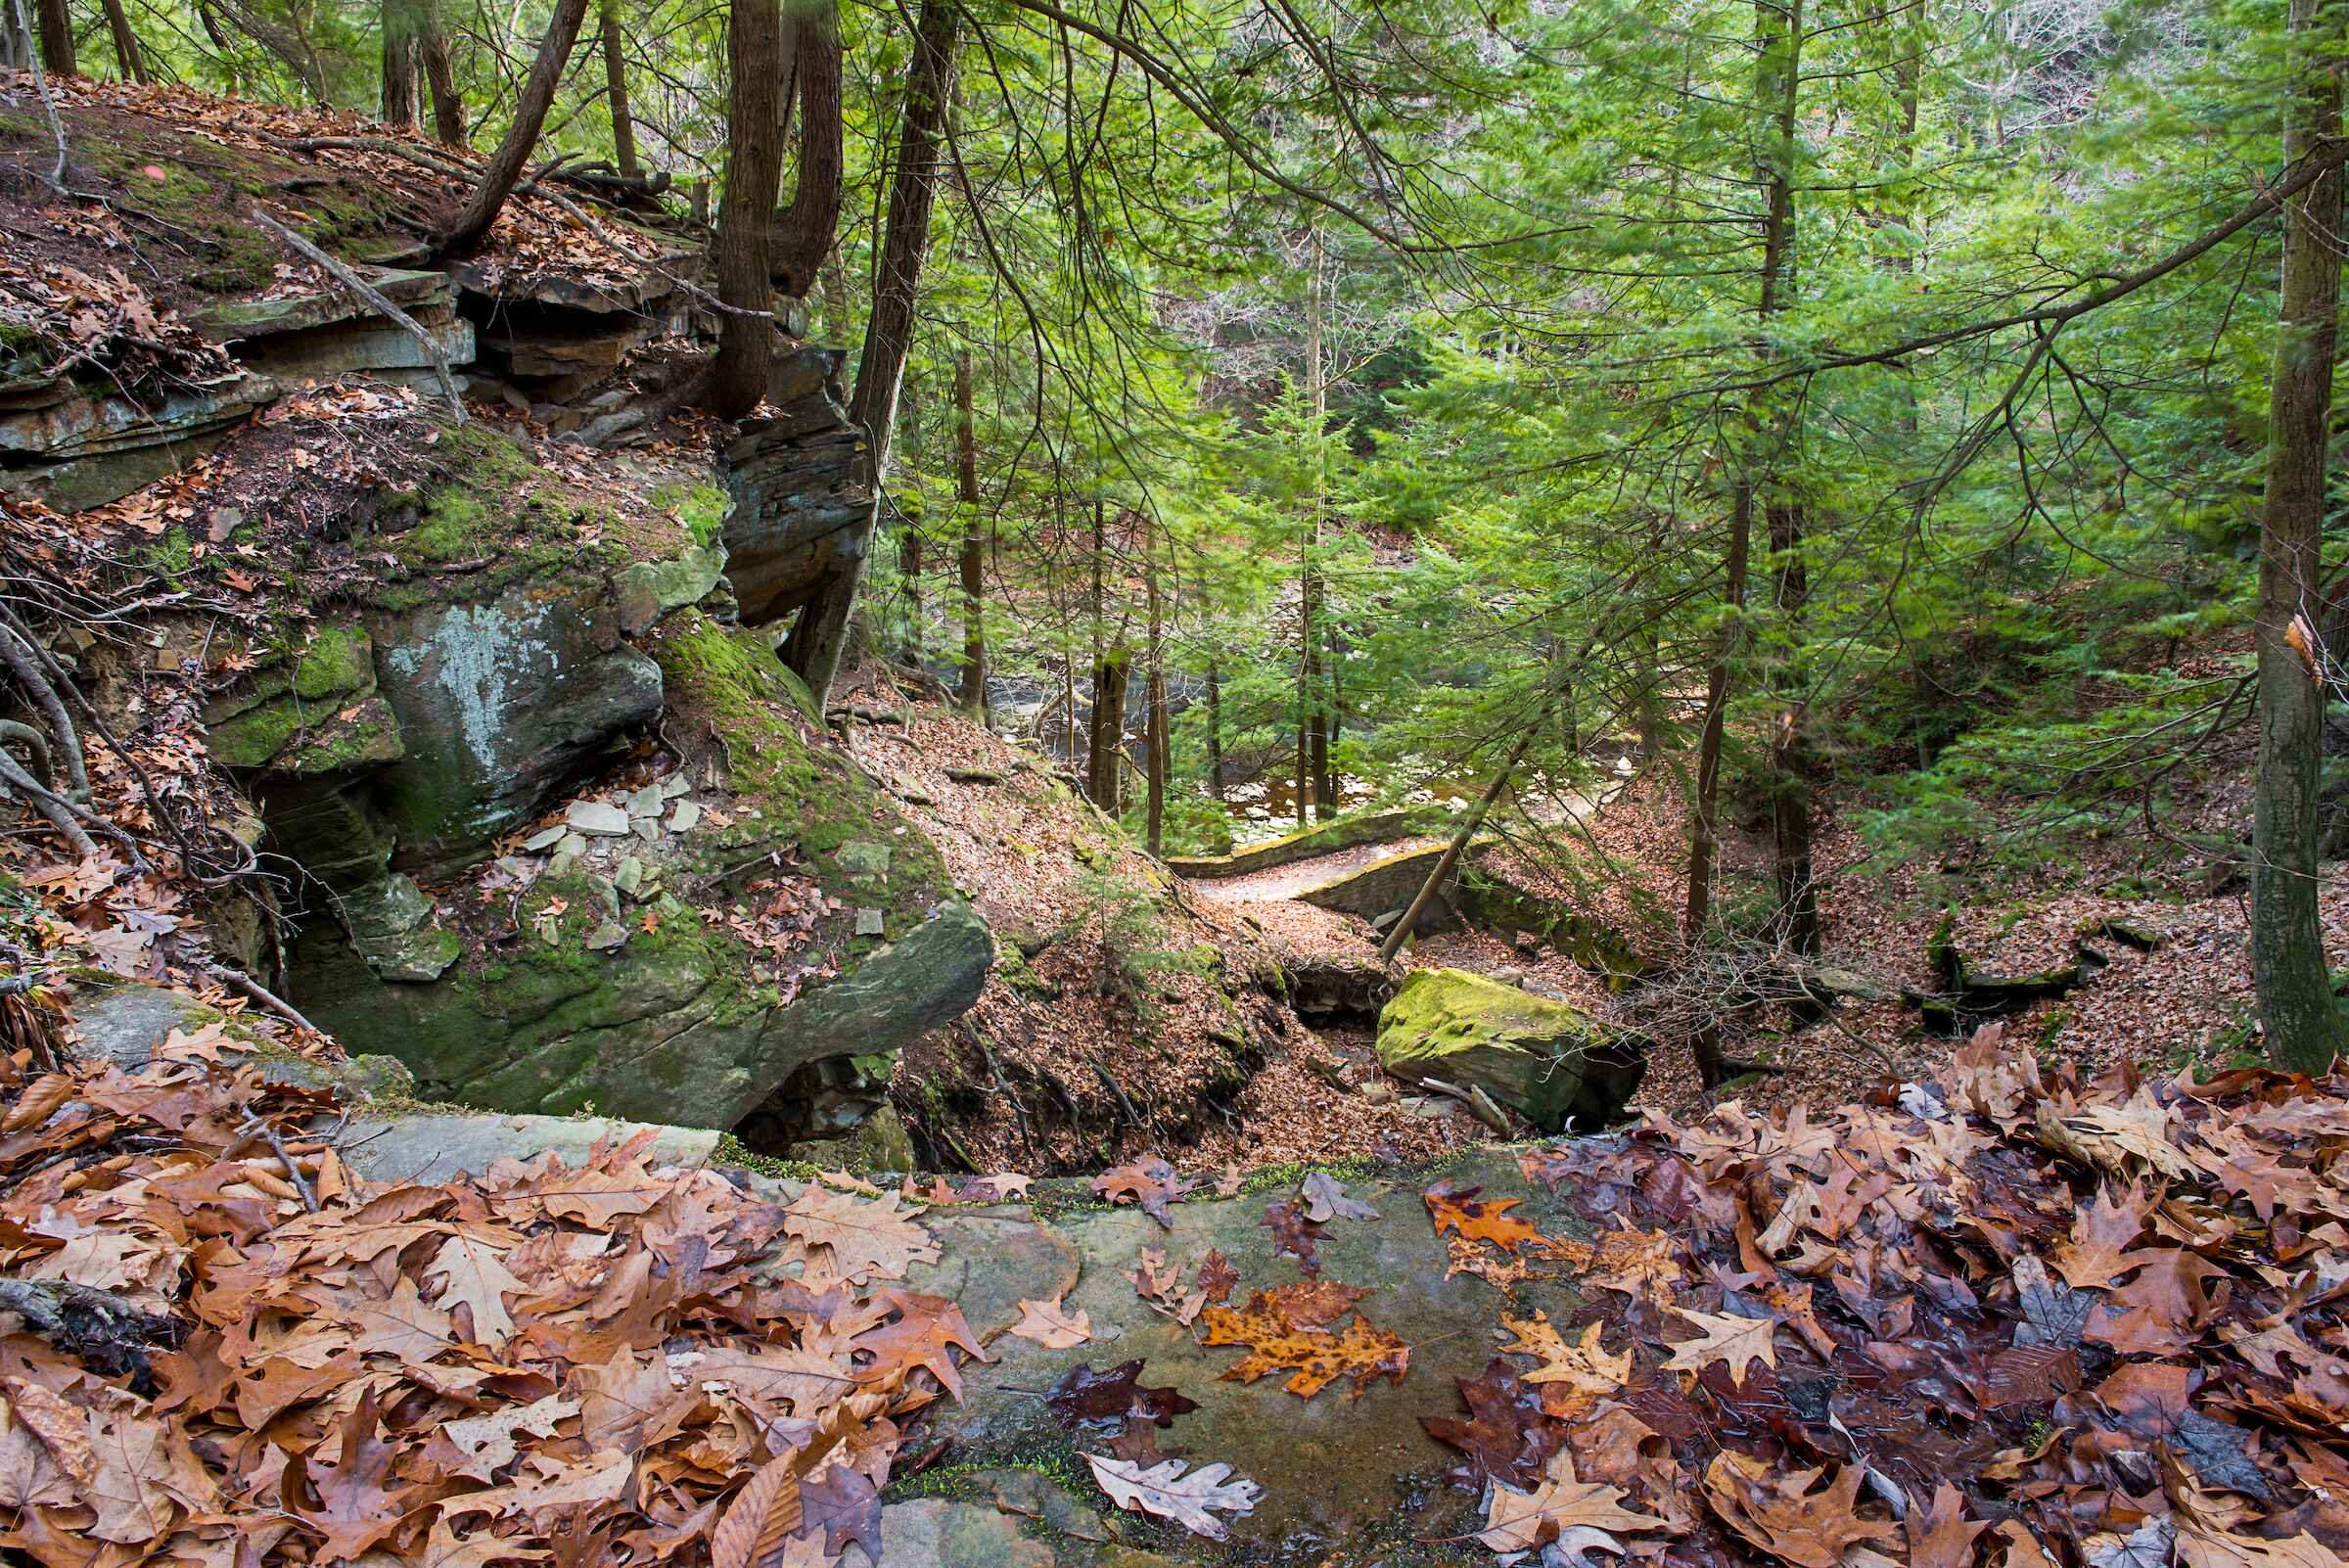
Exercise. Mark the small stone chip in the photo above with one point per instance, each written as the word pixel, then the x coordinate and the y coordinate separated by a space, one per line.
pixel 646 801
pixel 683 816
pixel 869 923
pixel 545 837
pixel 605 937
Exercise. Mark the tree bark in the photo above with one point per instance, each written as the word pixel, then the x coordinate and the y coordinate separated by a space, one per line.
pixel 402 99
pixel 56 24
pixel 615 94
pixel 441 74
pixel 971 695
pixel 754 171
pixel 1154 703
pixel 817 642
pixel 806 231
pixel 910 567
pixel 504 168
pixel 2296 1006
pixel 127 54
pixel 1214 730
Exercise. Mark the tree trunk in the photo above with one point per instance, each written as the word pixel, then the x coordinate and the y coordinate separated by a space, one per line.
pixel 1796 922
pixel 127 54
pixel 1313 740
pixel 754 171
pixel 55 26
pixel 1449 860
pixel 1214 730
pixel 17 50
pixel 402 96
pixel 504 168
pixel 805 232
pixel 2296 1006
pixel 441 74
pixel 971 695
pixel 1111 679
pixel 816 643
pixel 910 567
pixel 615 95
pixel 1704 834
pixel 1777 89
pixel 1154 703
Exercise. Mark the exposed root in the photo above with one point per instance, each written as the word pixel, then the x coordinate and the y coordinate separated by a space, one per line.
pixel 24 663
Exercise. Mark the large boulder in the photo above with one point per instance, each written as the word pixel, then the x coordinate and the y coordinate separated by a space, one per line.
pixel 1550 1061
pixel 676 949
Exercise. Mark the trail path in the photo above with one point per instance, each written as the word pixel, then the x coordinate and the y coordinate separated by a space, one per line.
pixel 1278 883
pixel 1287 881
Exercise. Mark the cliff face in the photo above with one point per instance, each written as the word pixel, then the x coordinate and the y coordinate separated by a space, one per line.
pixel 547 822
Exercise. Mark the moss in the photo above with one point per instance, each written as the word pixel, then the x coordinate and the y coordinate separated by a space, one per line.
pixel 494 511
pixel 339 659
pixel 731 1150
pixel 701 508
pixel 803 792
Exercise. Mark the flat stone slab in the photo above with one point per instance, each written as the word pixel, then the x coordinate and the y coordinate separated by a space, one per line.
pixel 434 1146
pixel 1346 1481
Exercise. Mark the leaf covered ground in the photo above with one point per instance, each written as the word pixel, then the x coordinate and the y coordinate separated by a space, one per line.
pixel 1998 1320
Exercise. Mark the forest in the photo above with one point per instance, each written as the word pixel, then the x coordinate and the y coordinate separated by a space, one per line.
pixel 1177 782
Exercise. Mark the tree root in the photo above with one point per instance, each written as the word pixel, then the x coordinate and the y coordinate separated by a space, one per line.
pixel 24 663
pixel 100 1330
pixel 14 780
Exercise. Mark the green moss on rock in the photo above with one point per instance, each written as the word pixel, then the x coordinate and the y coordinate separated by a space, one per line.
pixel 1547 1060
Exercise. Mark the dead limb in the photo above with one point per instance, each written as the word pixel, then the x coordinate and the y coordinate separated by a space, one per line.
pixel 246 985
pixel 26 734
pixel 1450 860
pixel 53 806
pixel 375 144
pixel 56 178
pixel 375 298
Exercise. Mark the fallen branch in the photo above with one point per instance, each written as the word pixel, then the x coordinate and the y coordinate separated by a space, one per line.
pixel 246 985
pixel 376 299
pixel 53 806
pixel 285 1157
pixel 374 144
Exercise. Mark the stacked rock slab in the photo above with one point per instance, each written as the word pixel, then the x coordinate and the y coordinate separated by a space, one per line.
pixel 399 739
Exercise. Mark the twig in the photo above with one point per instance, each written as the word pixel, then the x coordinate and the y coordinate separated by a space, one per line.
pixel 56 180
pixel 372 296
pixel 285 1157
pixel 250 988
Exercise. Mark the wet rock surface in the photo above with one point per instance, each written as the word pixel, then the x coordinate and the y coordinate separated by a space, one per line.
pixel 1346 1481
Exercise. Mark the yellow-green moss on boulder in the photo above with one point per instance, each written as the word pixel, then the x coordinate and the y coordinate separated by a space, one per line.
pixel 1550 1061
